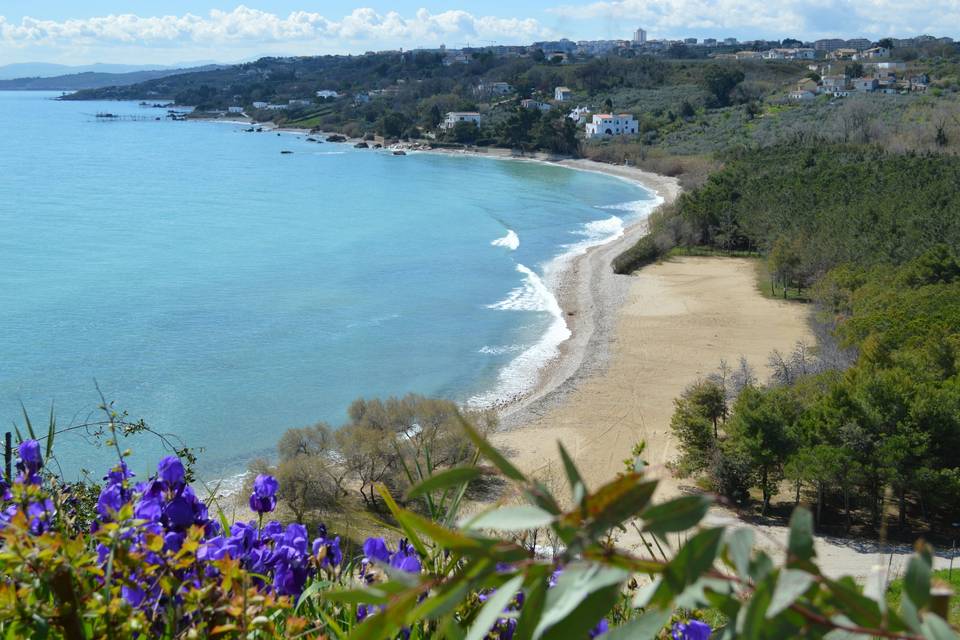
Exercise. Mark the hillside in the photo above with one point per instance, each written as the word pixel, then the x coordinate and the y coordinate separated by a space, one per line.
pixel 91 79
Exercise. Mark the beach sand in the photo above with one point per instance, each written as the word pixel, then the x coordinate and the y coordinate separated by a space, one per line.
pixel 678 320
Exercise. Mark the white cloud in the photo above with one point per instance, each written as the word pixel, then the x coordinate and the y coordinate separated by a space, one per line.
pixel 775 18
pixel 249 27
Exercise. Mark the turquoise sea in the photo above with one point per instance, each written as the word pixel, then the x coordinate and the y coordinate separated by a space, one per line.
pixel 224 291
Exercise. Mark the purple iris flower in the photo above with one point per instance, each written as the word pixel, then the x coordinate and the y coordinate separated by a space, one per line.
pixel 111 500
pixel 30 461
pixel 376 549
pixel 602 627
pixel 264 496
pixel 133 595
pixel 118 474
pixel 39 515
pixel 333 556
pixel 178 513
pixel 170 470
pixel 691 630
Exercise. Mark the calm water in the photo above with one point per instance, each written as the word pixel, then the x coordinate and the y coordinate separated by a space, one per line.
pixel 225 292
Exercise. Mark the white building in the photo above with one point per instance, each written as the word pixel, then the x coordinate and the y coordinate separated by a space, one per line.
pixel 639 36
pixel 235 109
pixel 562 94
pixel 453 117
pixel 259 105
pixel 802 95
pixel 530 103
pixel 300 102
pixel 874 53
pixel 579 115
pixel 605 124
pixel 326 93
pixel 361 98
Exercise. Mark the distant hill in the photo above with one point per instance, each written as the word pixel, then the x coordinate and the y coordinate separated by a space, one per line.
pixel 93 79
pixel 50 70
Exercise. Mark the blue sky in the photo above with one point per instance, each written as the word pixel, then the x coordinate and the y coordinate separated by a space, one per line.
pixel 172 31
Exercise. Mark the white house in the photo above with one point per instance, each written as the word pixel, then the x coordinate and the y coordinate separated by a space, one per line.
pixel 562 94
pixel 326 93
pixel 874 53
pixel 361 98
pixel 605 124
pixel 235 109
pixel 453 117
pixel 259 105
pixel 802 95
pixel 530 103
pixel 579 115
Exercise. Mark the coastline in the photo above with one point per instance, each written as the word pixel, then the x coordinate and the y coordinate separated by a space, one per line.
pixel 588 291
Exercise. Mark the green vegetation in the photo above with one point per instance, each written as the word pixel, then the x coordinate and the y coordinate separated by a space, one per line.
pixel 867 423
pixel 157 563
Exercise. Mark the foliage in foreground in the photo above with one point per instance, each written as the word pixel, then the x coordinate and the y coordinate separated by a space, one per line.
pixel 156 565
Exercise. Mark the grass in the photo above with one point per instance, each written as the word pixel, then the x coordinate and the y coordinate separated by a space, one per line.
pixel 895 591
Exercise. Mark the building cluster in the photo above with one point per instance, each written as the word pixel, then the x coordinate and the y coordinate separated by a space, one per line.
pixel 877 77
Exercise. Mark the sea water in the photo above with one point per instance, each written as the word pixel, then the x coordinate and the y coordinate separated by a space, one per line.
pixel 223 291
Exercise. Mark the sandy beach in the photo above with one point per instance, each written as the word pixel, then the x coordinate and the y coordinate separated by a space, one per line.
pixel 678 320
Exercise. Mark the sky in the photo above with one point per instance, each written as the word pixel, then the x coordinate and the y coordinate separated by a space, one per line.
pixel 175 31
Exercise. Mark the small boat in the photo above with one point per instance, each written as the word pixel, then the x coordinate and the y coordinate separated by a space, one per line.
pixel 399 152
pixel 285 152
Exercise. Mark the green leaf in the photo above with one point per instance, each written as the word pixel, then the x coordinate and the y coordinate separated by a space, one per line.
pixel 26 419
pixel 858 607
pixel 445 600
pixel 646 627
pixel 739 545
pixel 916 582
pixel 790 585
pixel 800 542
pixel 312 589
pixel 444 480
pixel 575 585
pixel 645 593
pixel 51 432
pixel 493 608
pixel 490 453
pixel 613 504
pixel 578 488
pixel 693 560
pixel 397 511
pixel 517 518
pixel 538 581
pixel 356 596
pixel 679 514
pixel 934 628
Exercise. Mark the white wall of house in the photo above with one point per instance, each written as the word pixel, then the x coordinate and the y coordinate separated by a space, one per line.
pixel 605 124
pixel 454 117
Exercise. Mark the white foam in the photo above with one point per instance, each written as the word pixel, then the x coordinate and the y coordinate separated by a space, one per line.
pixel 510 241
pixel 535 294
pixel 499 350
pixel 521 373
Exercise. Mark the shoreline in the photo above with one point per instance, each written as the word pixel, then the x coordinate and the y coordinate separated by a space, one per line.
pixel 588 292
